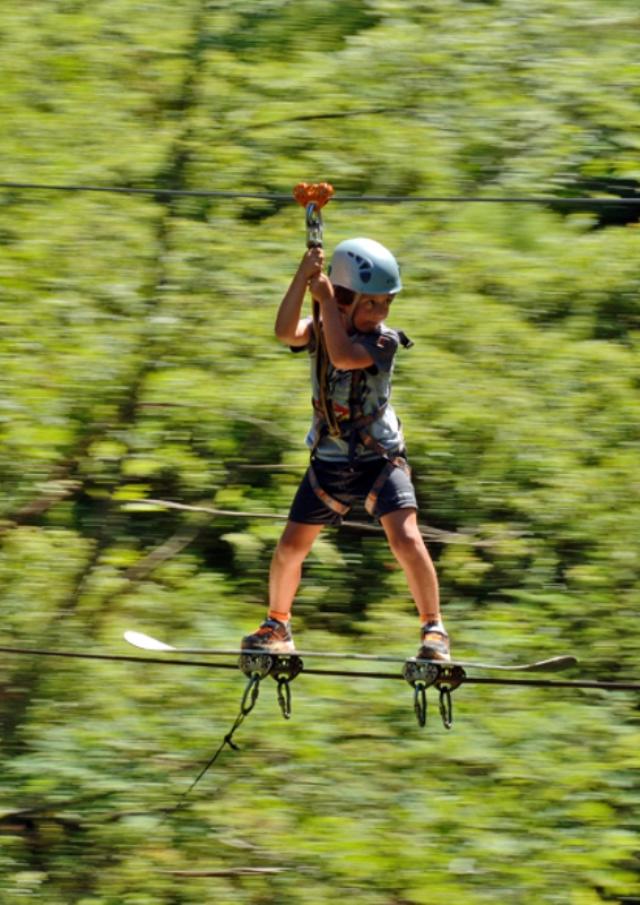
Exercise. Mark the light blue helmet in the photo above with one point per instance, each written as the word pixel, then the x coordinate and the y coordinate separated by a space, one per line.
pixel 364 265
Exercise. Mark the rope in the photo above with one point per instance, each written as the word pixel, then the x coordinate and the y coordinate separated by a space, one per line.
pixel 285 197
pixel 358 674
pixel 322 374
pixel 249 699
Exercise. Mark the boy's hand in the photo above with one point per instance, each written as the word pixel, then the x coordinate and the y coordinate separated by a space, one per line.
pixel 321 288
pixel 312 263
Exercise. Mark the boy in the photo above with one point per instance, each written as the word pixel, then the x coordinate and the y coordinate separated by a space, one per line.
pixel 357 447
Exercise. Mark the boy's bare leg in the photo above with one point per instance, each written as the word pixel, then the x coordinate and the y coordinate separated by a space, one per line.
pixel 286 567
pixel 408 547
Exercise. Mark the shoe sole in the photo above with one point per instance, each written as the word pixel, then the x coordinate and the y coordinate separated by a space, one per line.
pixel 281 647
pixel 431 654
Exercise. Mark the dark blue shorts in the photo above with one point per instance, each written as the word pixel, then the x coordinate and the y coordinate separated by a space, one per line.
pixel 350 484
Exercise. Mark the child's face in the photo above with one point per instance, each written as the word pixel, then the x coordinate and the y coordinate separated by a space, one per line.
pixel 370 311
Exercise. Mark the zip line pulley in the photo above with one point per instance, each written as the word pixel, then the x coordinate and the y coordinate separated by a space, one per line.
pixel 313 197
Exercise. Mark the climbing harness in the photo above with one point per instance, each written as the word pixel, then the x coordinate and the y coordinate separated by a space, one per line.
pixel 371 500
pixel 354 430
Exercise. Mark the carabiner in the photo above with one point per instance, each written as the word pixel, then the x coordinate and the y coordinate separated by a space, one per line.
pixel 420 702
pixel 284 697
pixel 446 707
pixel 250 695
pixel 314 225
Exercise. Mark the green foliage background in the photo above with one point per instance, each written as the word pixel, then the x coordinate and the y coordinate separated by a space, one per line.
pixel 138 364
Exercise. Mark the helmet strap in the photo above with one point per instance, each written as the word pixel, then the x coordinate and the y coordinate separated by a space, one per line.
pixel 353 308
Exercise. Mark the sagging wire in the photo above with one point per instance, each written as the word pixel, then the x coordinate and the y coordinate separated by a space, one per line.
pixel 437 535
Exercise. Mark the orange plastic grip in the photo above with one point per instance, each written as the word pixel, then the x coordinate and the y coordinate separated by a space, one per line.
pixel 317 192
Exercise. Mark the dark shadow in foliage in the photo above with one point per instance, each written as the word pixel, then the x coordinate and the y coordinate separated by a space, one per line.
pixel 606 214
pixel 259 438
pixel 283 28
pixel 357 584
pixel 617 315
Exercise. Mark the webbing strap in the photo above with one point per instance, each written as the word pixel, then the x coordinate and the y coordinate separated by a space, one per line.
pixel 360 422
pixel 372 497
pixel 371 501
pixel 346 427
pixel 326 498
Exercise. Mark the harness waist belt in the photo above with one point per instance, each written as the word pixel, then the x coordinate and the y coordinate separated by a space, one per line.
pixel 371 500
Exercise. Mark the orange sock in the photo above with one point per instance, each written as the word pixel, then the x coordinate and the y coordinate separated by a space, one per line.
pixel 281 617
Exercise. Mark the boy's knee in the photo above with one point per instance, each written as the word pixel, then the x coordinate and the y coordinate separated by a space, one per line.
pixel 292 546
pixel 408 543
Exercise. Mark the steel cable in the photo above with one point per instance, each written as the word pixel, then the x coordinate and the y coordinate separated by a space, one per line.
pixel 603 685
pixel 286 197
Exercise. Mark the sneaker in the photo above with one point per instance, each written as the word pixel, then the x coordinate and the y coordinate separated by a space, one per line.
pixel 435 643
pixel 273 635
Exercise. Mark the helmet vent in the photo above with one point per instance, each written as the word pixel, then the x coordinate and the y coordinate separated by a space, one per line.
pixel 364 267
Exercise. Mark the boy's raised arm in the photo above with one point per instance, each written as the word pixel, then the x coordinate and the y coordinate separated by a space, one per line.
pixel 289 327
pixel 344 353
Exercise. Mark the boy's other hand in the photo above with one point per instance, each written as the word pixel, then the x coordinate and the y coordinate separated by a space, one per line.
pixel 312 263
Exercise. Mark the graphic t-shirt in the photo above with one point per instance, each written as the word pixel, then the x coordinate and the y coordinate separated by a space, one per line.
pixel 374 391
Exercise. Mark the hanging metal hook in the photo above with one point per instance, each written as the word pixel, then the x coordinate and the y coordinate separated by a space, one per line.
pixel 450 676
pixel 250 695
pixel 446 707
pixel 420 702
pixel 284 696
pixel 314 225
